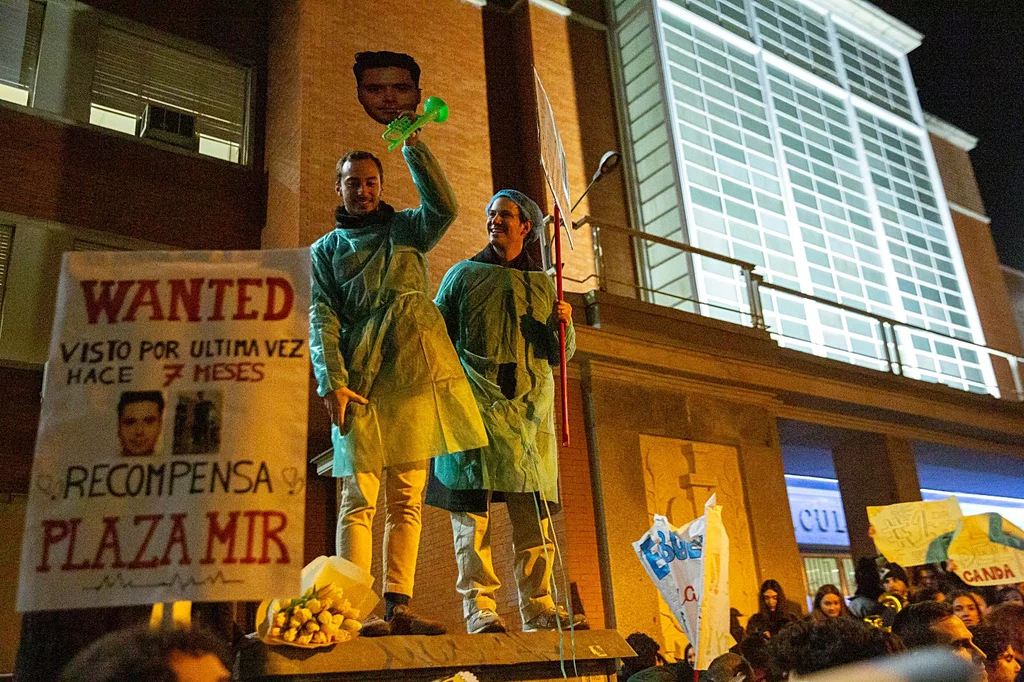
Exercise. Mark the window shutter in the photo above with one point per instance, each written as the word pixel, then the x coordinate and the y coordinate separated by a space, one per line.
pixel 131 71
pixel 6 246
pixel 21 28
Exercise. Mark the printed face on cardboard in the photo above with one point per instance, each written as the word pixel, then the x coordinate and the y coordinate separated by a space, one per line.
pixel 387 91
pixel 139 425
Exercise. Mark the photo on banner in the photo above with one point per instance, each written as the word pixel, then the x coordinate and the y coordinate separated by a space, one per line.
pixel 170 458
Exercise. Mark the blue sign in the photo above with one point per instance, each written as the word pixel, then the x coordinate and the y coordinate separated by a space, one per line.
pixel 817 511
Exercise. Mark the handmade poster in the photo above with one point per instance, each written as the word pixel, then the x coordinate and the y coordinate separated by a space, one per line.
pixel 988 550
pixel 552 156
pixel 690 567
pixel 170 459
pixel 915 533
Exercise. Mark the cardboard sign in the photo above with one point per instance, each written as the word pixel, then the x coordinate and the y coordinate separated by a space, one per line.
pixel 170 460
pixel 690 567
pixel 915 533
pixel 552 156
pixel 988 550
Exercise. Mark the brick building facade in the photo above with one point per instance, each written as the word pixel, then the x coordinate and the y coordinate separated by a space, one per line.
pixel 669 402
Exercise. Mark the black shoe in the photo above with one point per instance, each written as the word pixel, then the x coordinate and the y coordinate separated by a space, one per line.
pixel 375 626
pixel 405 622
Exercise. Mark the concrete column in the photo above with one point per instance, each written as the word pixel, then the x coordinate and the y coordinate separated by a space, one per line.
pixel 771 526
pixel 873 469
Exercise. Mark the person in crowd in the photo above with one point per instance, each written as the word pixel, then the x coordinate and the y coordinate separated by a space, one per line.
pixel 729 667
pixel 1009 594
pixel 828 603
pixel 648 655
pixel 926 594
pixel 1000 657
pixel 737 631
pixel 895 582
pixel 1010 619
pixel 933 624
pixel 966 606
pixel 503 315
pixel 806 647
pixel 137 654
pixel 869 588
pixel 756 650
pixel 385 368
pixel 925 577
pixel 690 655
pixel 772 614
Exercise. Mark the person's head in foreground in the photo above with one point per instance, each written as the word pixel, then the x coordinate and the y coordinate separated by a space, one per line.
pixel 387 83
pixel 966 606
pixel 140 419
pixel 1010 619
pixel 806 647
pixel 1000 657
pixel 932 623
pixel 730 667
pixel 144 655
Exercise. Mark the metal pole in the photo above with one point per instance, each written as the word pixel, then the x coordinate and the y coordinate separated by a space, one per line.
pixel 561 328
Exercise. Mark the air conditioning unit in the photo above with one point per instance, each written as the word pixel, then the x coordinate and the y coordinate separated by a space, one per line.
pixel 170 126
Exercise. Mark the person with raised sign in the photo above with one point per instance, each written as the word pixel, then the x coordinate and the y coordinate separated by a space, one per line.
pixel 390 379
pixel 503 316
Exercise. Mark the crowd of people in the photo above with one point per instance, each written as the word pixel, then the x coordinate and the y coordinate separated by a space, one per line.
pixel 890 612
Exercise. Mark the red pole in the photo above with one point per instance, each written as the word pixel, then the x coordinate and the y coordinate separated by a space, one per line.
pixel 561 328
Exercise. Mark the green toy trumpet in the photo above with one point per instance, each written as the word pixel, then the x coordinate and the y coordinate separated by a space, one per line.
pixel 399 130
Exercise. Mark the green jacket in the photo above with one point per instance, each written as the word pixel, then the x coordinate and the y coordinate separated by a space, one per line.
pixel 507 339
pixel 374 329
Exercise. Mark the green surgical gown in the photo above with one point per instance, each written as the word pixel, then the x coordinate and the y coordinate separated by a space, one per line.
pixel 507 339
pixel 374 329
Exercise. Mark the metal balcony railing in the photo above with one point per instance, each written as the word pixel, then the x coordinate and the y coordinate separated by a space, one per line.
pixel 817 325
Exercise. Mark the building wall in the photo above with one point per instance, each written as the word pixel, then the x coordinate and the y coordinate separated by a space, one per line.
pixel 957 174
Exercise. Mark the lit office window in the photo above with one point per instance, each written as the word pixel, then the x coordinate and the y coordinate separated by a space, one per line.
pixel 21 27
pixel 657 185
pixel 730 14
pixel 740 155
pixel 132 71
pixel 874 73
pixel 732 179
pixel 797 33
pixel 839 243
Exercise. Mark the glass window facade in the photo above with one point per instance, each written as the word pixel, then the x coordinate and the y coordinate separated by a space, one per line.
pixel 796 148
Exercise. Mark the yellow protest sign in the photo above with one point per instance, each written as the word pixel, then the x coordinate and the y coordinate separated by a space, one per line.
pixel 903 533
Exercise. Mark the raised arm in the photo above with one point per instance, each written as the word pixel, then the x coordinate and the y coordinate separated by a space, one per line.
pixel 426 224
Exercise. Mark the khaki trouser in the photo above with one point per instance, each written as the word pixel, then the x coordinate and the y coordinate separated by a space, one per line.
pixel 534 555
pixel 403 500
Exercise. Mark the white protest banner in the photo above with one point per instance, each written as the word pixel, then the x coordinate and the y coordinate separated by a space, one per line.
pixel 552 156
pixel 690 567
pixel 170 459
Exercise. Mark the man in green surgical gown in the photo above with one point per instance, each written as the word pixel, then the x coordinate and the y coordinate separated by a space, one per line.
pixel 385 367
pixel 503 315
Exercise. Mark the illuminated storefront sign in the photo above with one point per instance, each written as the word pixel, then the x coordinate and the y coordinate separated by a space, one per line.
pixel 818 519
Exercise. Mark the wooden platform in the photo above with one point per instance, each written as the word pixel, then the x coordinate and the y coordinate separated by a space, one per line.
pixel 506 657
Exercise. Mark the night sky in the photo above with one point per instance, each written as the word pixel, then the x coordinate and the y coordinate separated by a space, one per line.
pixel 969 70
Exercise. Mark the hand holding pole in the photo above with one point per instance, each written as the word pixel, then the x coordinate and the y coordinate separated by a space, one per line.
pixel 561 329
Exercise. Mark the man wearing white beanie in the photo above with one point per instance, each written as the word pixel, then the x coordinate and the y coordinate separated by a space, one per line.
pixel 503 316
